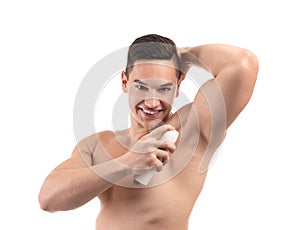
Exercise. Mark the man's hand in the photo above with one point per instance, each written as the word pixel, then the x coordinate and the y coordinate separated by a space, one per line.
pixel 150 151
pixel 187 60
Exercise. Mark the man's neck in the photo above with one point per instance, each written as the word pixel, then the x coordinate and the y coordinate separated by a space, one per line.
pixel 138 130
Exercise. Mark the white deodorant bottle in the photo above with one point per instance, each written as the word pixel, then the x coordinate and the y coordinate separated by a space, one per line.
pixel 146 177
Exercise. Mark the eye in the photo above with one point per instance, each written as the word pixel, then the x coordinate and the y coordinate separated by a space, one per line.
pixel 141 87
pixel 164 89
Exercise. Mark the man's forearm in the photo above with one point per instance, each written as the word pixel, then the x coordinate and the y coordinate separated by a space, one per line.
pixel 67 189
pixel 217 57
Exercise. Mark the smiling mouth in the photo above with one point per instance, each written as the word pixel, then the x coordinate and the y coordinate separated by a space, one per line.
pixel 150 112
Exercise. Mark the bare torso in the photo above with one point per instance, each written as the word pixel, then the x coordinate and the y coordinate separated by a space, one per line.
pixel 169 199
pixel 163 206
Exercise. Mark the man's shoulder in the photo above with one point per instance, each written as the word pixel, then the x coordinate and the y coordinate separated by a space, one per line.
pixel 93 140
pixel 105 134
pixel 102 139
pixel 109 138
pixel 99 135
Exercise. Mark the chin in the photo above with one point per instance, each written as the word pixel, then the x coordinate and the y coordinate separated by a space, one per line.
pixel 155 122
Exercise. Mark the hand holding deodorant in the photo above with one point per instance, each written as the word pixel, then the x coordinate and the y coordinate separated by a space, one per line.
pixel 146 177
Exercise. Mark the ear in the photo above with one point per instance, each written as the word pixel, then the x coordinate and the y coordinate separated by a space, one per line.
pixel 178 87
pixel 124 81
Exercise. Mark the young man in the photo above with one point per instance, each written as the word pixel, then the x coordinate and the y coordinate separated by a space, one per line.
pixel 106 164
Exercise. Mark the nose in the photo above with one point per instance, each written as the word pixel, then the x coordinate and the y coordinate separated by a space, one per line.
pixel 152 102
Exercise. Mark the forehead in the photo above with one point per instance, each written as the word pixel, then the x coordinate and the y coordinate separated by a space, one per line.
pixel 154 69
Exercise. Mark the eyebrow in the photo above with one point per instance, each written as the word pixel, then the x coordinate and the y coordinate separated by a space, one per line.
pixel 139 82
pixel 166 84
pixel 143 83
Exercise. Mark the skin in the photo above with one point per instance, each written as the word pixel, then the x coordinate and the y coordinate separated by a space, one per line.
pixel 76 181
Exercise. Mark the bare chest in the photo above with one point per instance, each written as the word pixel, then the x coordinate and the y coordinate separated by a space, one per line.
pixel 166 206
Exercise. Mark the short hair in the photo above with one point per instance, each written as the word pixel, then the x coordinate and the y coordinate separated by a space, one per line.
pixel 153 47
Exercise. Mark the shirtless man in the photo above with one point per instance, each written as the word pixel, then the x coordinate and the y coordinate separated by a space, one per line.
pixel 105 164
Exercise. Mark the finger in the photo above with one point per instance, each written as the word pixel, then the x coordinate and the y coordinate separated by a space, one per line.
pixel 181 50
pixel 162 155
pixel 159 165
pixel 145 146
pixel 164 161
pixel 167 145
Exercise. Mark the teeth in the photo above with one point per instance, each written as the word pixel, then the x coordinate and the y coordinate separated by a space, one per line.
pixel 150 112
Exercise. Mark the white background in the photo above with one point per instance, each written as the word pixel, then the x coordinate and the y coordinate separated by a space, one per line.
pixel 47 48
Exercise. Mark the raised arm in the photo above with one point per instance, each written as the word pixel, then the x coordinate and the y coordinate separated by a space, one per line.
pixel 235 70
pixel 219 101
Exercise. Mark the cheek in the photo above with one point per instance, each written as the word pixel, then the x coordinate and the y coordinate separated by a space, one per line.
pixel 134 99
pixel 167 104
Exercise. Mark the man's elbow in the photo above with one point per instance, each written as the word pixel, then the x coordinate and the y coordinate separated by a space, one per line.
pixel 45 202
pixel 250 64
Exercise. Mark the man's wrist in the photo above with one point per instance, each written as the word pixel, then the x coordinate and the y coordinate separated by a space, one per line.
pixel 112 170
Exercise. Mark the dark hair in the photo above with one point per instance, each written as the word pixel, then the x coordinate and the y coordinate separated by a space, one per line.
pixel 155 47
